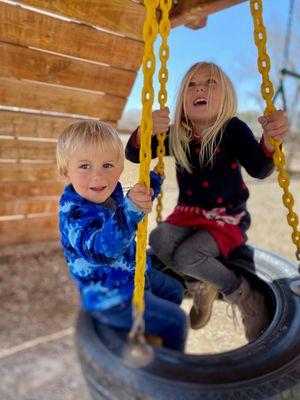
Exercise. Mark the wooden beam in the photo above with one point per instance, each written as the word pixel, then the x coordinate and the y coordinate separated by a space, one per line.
pixel 19 172
pixel 29 230
pixel 32 29
pixel 21 124
pixel 197 23
pixel 187 12
pixel 48 98
pixel 22 63
pixel 28 206
pixel 24 149
pixel 122 16
pixel 18 190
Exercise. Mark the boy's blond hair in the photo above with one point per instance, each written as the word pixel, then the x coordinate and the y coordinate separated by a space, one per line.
pixel 181 131
pixel 83 133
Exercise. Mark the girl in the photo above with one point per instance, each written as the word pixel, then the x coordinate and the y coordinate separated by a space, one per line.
pixel 210 145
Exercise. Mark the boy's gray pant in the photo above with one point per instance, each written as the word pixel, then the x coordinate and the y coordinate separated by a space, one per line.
pixel 192 253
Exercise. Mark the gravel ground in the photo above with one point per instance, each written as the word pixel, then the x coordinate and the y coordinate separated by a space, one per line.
pixel 38 299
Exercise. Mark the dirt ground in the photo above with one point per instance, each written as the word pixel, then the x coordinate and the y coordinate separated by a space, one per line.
pixel 39 302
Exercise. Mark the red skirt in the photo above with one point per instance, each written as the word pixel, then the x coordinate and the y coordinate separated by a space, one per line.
pixel 223 227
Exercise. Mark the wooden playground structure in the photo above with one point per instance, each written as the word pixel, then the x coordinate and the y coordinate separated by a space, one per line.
pixel 62 61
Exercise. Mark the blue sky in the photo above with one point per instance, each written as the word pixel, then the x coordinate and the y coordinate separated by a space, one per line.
pixel 226 40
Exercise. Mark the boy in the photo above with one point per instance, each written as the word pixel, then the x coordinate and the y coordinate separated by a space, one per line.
pixel 98 226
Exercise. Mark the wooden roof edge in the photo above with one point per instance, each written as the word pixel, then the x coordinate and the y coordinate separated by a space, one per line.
pixel 193 13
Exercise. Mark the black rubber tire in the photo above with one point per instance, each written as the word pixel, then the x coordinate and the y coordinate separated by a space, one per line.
pixel 268 368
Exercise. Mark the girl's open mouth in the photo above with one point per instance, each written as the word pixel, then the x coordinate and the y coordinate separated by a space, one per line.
pixel 200 102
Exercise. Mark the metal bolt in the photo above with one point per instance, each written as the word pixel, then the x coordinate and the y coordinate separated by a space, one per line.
pixel 295 287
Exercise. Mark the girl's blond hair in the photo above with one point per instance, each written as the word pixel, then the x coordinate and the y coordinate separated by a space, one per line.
pixel 182 129
pixel 87 132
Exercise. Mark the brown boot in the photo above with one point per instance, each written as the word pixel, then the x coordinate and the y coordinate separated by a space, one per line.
pixel 252 307
pixel 203 298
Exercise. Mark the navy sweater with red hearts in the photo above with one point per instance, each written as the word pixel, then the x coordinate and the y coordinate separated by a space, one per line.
pixel 221 186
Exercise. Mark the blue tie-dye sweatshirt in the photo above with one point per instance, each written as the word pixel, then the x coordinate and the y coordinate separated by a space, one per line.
pixel 99 245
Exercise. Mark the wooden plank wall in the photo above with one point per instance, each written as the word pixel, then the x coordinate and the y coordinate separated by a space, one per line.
pixel 53 71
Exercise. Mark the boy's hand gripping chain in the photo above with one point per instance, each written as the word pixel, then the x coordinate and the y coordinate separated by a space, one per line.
pixel 267 91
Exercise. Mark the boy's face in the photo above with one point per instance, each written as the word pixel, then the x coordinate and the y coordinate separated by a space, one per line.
pixel 94 173
pixel 203 97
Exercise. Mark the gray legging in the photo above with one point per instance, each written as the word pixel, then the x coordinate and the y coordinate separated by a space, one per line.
pixel 192 252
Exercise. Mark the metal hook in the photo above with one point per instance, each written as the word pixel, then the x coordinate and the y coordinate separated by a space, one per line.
pixel 298 254
pixel 295 287
pixel 137 353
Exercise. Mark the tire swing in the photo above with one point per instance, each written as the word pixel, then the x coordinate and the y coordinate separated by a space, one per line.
pixel 267 368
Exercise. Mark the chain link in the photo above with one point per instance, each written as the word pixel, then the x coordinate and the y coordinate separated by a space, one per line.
pixel 267 91
pixel 150 30
pixel 164 31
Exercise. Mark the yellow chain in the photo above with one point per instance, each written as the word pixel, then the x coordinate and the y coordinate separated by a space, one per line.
pixel 150 30
pixel 164 30
pixel 267 91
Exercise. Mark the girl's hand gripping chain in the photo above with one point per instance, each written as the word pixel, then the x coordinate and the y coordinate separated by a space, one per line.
pixel 276 126
pixel 160 122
